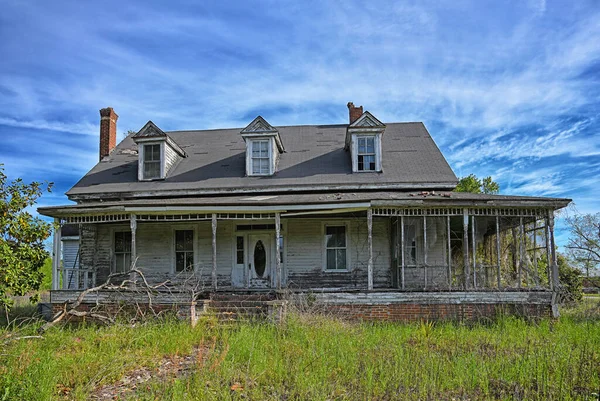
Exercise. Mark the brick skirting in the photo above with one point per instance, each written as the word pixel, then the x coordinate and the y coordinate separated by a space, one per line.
pixel 406 312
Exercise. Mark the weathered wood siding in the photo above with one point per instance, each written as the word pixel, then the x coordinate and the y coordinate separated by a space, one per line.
pixel 171 157
pixel 156 253
pixel 306 254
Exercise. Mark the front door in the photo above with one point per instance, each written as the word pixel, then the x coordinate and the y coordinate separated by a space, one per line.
pixel 259 262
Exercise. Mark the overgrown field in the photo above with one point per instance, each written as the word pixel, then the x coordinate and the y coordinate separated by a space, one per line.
pixel 309 358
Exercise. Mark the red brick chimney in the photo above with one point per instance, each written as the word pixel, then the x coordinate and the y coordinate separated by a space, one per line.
pixel 355 112
pixel 108 131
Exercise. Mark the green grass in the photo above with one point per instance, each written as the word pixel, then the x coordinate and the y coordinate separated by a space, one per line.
pixel 315 358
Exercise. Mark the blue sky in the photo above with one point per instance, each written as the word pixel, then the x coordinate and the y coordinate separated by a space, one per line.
pixel 510 90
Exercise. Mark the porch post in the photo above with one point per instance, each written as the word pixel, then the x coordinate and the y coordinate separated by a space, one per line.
pixel 498 249
pixel 555 281
pixel 425 252
pixel 521 253
pixel 474 251
pixel 56 255
pixel 214 251
pixel 466 246
pixel 278 249
pixel 370 240
pixel 548 252
pixel 133 226
pixel 449 252
pixel 402 240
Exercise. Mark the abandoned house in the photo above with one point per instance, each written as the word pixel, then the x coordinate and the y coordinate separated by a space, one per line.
pixel 359 215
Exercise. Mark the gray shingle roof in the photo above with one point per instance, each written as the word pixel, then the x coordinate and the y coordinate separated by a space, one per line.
pixel 315 159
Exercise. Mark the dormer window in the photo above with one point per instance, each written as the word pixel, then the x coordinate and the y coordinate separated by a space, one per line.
pixel 263 148
pixel 151 161
pixel 261 157
pixel 157 153
pixel 363 140
pixel 366 153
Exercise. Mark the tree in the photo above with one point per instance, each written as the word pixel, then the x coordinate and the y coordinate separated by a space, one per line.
pixel 570 279
pixel 22 237
pixel 475 185
pixel 584 240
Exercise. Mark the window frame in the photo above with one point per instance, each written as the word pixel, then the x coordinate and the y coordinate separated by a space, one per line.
pixel 113 262
pixel 377 151
pixel 359 154
pixel 195 240
pixel 142 162
pixel 269 157
pixel 418 244
pixel 325 248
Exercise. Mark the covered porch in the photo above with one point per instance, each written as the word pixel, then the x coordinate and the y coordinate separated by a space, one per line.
pixel 389 245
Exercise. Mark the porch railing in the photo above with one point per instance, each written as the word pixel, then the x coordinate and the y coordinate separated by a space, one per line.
pixel 76 278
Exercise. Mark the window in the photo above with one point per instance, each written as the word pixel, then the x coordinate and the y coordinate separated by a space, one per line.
pixel 151 161
pixel 239 248
pixel 335 245
pixel 413 242
pixel 410 244
pixel 184 250
pixel 366 153
pixel 122 251
pixel 260 158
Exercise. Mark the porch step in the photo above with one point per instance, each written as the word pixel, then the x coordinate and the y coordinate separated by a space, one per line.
pixel 232 306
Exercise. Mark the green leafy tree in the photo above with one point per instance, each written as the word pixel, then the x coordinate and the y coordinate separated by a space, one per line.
pixel 584 240
pixel 22 236
pixel 570 278
pixel 476 185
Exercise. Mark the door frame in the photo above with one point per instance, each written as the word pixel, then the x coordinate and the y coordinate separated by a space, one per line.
pixel 267 240
pixel 246 235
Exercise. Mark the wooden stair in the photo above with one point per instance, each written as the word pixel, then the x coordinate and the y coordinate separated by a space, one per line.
pixel 236 306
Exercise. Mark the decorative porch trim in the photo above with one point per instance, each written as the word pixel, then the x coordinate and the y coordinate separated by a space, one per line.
pixel 454 211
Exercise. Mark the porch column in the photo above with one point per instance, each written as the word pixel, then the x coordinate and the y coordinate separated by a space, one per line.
pixel 466 246
pixel 449 252
pixel 402 241
pixel 474 251
pixel 56 255
pixel 370 240
pixel 555 280
pixel 214 251
pixel 521 253
pixel 424 252
pixel 548 253
pixel 133 226
pixel 278 249
pixel 498 260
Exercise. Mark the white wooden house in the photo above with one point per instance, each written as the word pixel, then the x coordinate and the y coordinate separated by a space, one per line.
pixel 360 214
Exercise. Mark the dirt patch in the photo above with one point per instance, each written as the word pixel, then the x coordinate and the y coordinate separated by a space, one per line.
pixel 172 366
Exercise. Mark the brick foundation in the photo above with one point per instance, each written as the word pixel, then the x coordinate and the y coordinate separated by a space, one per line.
pixel 405 312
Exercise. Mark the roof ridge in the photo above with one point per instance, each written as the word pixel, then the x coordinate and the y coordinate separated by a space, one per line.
pixel 283 126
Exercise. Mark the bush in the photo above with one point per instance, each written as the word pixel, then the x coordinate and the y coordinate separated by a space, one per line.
pixel 571 280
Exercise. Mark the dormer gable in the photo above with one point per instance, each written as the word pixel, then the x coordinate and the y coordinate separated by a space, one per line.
pixel 363 139
pixel 263 147
pixel 157 152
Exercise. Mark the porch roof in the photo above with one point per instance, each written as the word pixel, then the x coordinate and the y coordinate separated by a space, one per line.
pixel 272 202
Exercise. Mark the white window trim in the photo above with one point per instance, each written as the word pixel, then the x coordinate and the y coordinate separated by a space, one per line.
pixel 193 228
pixel 249 158
pixel 113 230
pixel 141 151
pixel 377 145
pixel 324 242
